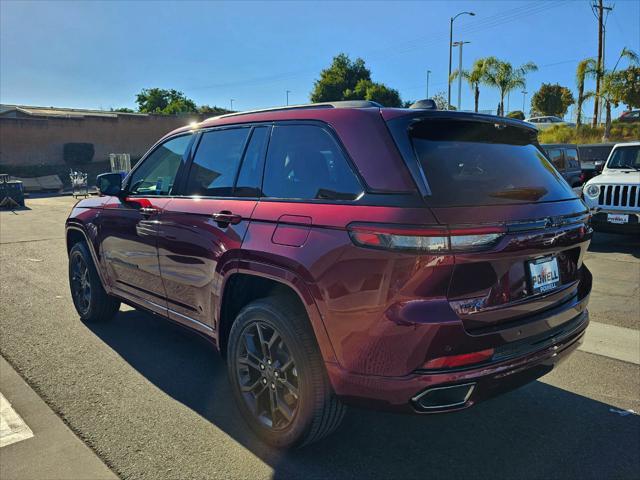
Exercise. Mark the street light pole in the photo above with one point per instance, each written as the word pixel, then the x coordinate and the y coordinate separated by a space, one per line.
pixel 428 73
pixel 460 44
pixel 288 92
pixel 524 96
pixel 231 102
pixel 451 52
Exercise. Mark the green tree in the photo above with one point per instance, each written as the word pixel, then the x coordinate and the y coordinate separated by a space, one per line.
pixel 474 77
pixel 614 87
pixel 586 69
pixel 518 114
pixel 343 75
pixel 630 79
pixel 375 92
pixel 164 102
pixel 552 100
pixel 441 101
pixel 505 77
pixel 122 110
pixel 215 110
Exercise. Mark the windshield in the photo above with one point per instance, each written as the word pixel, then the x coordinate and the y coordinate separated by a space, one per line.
pixel 473 163
pixel 625 158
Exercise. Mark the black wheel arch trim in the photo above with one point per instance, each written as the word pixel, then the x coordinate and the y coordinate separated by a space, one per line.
pixel 94 257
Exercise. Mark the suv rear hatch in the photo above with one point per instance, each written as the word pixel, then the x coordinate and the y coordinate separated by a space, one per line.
pixel 489 177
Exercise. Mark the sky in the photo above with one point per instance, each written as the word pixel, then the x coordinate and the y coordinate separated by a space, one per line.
pixel 100 54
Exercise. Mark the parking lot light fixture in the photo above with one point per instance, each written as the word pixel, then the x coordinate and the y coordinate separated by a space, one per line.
pixel 451 20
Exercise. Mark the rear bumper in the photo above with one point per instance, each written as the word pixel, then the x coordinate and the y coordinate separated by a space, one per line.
pixel 516 363
pixel 404 393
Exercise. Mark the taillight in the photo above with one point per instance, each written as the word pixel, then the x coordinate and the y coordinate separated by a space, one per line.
pixel 428 240
pixel 461 360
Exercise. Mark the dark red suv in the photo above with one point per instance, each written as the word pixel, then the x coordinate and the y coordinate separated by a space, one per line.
pixel 409 259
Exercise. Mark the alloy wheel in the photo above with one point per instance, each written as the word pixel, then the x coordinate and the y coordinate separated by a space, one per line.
pixel 80 283
pixel 267 376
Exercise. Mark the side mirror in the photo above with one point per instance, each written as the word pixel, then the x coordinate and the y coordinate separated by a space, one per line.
pixel 599 165
pixel 109 184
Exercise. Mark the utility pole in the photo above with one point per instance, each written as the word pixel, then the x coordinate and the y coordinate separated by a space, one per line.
pixel 231 102
pixel 524 96
pixel 428 73
pixel 288 92
pixel 600 63
pixel 459 44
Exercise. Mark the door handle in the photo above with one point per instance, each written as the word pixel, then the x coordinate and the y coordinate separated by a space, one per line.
pixel 225 217
pixel 148 211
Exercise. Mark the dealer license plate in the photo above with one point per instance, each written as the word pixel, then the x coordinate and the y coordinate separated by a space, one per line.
pixel 544 274
pixel 617 218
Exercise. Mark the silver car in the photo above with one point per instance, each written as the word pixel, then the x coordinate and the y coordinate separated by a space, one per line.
pixel 542 123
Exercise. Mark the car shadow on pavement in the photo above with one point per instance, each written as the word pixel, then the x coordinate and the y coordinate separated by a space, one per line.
pixel 538 431
pixel 615 243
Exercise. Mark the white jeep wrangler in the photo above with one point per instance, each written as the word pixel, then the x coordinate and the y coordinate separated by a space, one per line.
pixel 614 196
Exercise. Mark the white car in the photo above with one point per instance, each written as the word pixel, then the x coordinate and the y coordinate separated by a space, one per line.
pixel 614 196
pixel 546 122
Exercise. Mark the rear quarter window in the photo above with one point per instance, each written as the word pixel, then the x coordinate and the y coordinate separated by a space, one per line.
pixel 474 163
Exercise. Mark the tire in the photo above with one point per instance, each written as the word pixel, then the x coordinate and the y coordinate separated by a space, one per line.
pixel 315 412
pixel 92 303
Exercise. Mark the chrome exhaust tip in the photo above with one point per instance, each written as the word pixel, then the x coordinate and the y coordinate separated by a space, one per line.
pixel 442 398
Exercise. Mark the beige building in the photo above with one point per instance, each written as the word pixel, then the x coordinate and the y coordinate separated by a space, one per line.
pixel 32 136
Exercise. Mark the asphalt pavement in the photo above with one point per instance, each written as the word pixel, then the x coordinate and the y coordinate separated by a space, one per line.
pixel 153 401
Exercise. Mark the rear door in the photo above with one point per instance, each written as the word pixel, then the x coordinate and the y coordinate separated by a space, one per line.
pixel 306 172
pixel 495 179
pixel 202 230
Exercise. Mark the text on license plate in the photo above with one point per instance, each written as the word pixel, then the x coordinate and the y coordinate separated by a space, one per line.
pixel 617 218
pixel 544 274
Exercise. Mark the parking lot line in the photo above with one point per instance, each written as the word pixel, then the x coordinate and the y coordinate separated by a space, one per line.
pixel 612 341
pixel 12 428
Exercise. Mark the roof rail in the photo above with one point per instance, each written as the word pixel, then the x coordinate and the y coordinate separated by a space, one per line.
pixel 340 104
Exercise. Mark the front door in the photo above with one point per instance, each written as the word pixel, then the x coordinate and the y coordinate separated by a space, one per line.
pixel 201 232
pixel 128 226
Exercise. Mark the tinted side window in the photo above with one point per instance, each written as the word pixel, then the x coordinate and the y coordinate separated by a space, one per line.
pixel 216 162
pixel 556 158
pixel 157 174
pixel 571 156
pixel 250 177
pixel 304 161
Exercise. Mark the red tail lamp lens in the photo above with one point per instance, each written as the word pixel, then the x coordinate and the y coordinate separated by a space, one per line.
pixel 430 240
pixel 453 361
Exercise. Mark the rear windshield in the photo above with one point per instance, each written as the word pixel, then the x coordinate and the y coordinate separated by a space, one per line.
pixel 473 163
pixel 596 152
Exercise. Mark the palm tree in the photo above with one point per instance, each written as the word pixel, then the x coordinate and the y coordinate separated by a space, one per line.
pixel 474 78
pixel 611 89
pixel 586 68
pixel 505 77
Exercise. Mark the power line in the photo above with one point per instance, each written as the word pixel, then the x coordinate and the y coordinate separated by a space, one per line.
pixel 532 8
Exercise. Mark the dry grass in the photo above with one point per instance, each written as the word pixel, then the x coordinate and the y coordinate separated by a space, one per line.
pixel 620 132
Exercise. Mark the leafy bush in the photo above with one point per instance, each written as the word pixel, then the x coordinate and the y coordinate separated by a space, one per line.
pixel 78 153
pixel 516 114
